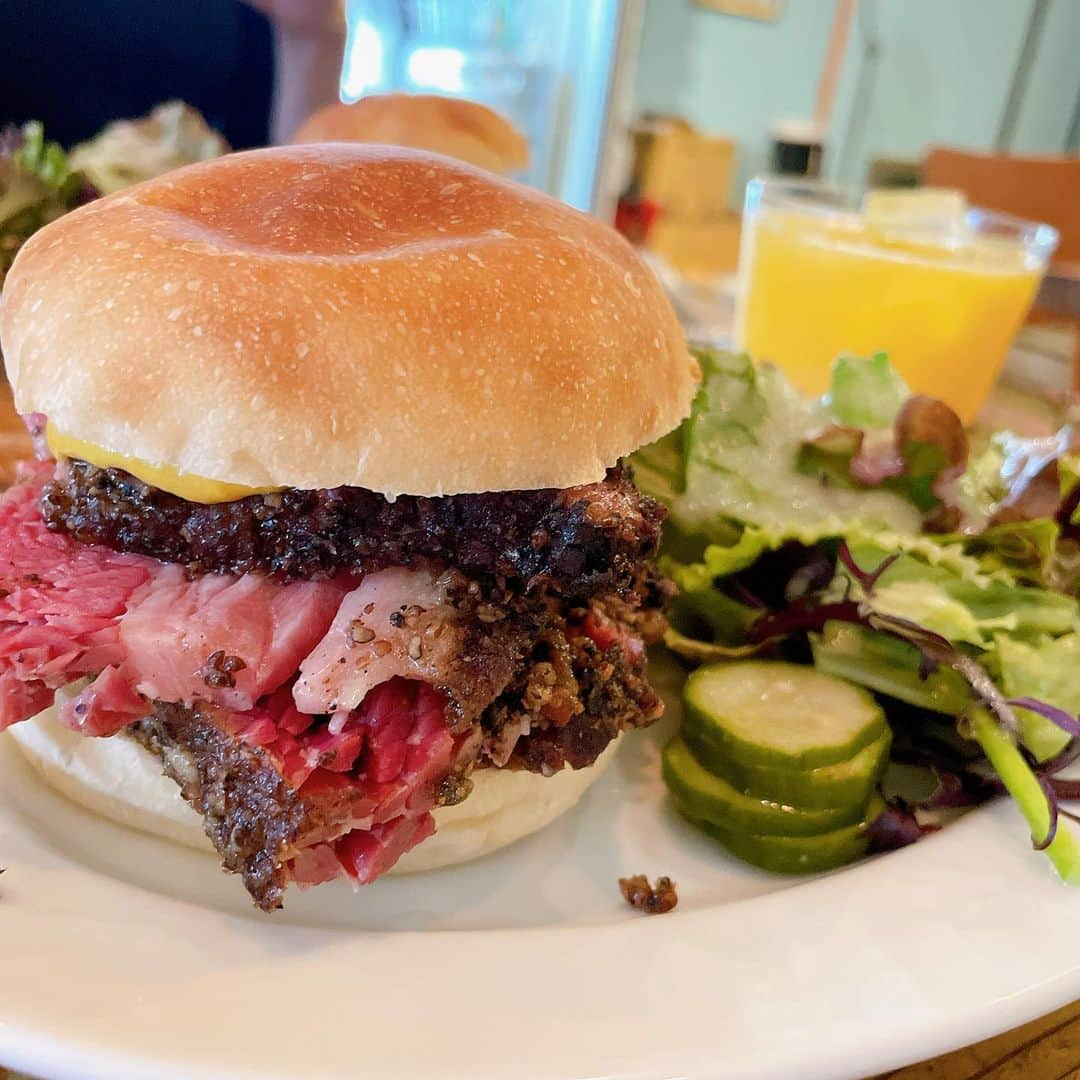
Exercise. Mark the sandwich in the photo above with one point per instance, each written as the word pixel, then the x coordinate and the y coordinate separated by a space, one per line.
pixel 457 127
pixel 329 523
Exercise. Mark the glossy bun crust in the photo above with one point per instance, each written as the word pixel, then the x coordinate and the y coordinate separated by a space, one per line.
pixel 313 316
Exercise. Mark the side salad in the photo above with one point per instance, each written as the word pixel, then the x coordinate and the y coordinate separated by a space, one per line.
pixel 37 185
pixel 127 152
pixel 862 589
pixel 40 181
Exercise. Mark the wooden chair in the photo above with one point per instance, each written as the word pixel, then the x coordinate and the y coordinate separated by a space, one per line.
pixel 1039 189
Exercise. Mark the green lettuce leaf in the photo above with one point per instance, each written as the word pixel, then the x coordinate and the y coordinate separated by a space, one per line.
pixel 1047 671
pixel 866 393
pixel 754 452
pixel 659 469
pixel 705 652
pixel 741 462
pixel 33 172
pixel 1025 549
pixel 701 609
pixel 952 597
pixel 978 491
pixel 37 185
pixel 129 151
pixel 888 666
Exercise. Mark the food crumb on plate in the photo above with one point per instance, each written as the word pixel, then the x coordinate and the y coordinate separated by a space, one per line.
pixel 652 900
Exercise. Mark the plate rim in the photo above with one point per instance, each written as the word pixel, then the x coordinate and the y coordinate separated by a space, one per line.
pixel 993 833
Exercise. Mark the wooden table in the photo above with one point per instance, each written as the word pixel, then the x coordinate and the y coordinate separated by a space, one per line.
pixel 1048 1049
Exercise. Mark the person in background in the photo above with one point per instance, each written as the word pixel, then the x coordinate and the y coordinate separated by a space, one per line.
pixel 309 42
pixel 255 70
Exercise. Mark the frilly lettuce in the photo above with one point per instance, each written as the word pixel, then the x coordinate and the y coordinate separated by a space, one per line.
pixel 962 604
pixel 1027 551
pixel 128 151
pixel 866 394
pixel 741 455
pixel 1048 670
pixel 858 525
pixel 40 182
pixel 37 185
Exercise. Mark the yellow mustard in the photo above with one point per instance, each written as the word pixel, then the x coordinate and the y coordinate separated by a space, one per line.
pixel 198 489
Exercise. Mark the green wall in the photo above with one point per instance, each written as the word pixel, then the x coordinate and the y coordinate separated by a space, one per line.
pixel 942 73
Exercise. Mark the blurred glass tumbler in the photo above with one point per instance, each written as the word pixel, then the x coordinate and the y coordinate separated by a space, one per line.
pixel 941 288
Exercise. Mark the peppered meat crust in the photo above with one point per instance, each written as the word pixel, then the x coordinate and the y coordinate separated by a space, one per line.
pixel 539 577
pixel 616 697
pixel 567 705
pixel 575 541
pixel 251 815
pixel 257 821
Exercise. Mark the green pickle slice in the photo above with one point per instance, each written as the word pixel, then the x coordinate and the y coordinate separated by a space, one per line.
pixel 843 784
pixel 711 798
pixel 777 715
pixel 795 854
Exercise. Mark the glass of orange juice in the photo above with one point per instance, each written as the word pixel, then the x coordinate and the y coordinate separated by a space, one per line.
pixel 940 287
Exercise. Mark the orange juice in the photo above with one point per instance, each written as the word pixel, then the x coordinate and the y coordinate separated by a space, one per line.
pixel 944 303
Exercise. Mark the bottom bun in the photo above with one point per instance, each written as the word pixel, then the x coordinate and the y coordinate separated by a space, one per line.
pixel 120 780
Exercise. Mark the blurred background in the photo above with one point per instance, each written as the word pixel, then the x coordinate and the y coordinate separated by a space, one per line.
pixel 889 137
pixel 977 100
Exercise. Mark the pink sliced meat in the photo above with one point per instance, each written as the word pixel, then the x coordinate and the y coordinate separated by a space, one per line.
pixel 361 856
pixel 60 603
pixel 20 700
pixel 368 855
pixel 409 747
pixel 274 660
pixel 69 609
pixel 396 747
pixel 364 648
pixel 396 750
pixel 171 633
pixel 316 865
pixel 108 704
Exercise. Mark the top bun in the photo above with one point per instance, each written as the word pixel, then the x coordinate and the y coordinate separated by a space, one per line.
pixel 458 128
pixel 314 316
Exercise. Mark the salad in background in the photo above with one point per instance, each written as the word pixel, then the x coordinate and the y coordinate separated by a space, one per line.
pixel 40 181
pixel 863 590
pixel 37 185
pixel 129 151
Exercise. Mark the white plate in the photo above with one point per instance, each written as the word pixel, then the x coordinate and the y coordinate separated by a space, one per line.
pixel 122 956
